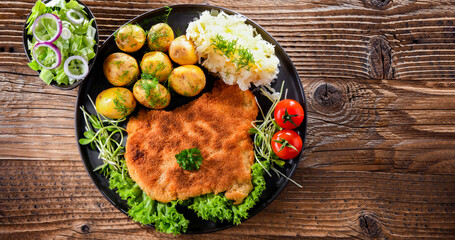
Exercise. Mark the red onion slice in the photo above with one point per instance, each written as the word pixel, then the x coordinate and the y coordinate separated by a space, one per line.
pixel 51 16
pixel 54 48
pixel 74 20
pixel 67 71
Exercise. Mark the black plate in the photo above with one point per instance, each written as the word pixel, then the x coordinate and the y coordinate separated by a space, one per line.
pixel 26 37
pixel 179 18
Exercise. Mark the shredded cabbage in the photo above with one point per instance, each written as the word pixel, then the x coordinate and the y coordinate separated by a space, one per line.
pixel 81 43
pixel 223 41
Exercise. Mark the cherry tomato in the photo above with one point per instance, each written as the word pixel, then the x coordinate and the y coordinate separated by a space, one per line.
pixel 288 114
pixel 286 144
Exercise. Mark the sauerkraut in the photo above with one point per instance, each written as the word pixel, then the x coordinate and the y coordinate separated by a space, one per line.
pixel 229 47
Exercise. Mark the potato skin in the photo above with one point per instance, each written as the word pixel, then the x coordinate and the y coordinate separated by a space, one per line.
pixel 160 37
pixel 151 94
pixel 130 38
pixel 183 51
pixel 157 64
pixel 120 69
pixel 116 102
pixel 187 80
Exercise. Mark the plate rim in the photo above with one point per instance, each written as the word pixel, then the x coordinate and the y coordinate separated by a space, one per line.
pixel 303 127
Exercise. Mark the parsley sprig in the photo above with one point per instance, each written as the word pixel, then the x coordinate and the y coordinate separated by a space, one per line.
pixel 189 159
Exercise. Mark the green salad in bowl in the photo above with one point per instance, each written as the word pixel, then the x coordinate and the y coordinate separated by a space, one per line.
pixel 61 42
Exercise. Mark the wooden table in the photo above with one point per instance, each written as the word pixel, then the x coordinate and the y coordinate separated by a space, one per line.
pixel 379 160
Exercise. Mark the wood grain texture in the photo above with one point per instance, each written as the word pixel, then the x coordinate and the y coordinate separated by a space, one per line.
pixel 379 161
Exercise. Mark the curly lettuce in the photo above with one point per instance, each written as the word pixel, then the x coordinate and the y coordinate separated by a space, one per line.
pixel 212 207
pixel 217 207
pixel 145 210
pixel 166 218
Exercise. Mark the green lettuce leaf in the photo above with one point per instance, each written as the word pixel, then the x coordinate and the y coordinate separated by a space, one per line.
pixel 34 65
pixel 212 207
pixel 126 187
pixel 81 43
pixel 56 3
pixel 218 207
pixel 241 211
pixel 73 4
pixel 61 77
pixel 166 218
pixel 46 75
pixel 37 10
pixel 145 210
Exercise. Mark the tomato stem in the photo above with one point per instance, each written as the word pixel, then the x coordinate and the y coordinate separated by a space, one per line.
pixel 284 143
pixel 288 117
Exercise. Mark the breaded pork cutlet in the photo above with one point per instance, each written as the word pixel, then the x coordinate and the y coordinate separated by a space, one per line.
pixel 217 124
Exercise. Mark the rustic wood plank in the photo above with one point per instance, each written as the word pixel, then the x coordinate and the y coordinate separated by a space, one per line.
pixel 388 129
pixel 332 39
pixel 403 205
pixel 380 125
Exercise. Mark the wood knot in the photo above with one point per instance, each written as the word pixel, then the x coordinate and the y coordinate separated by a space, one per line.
pixel 328 95
pixel 85 229
pixel 370 225
pixel 378 4
pixel 380 58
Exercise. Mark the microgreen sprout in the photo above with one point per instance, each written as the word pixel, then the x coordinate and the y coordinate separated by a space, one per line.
pixel 106 135
pixel 263 131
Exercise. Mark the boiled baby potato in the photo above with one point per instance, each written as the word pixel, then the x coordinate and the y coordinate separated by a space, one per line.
pixel 151 94
pixel 157 64
pixel 183 51
pixel 130 38
pixel 160 37
pixel 120 69
pixel 116 102
pixel 187 80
